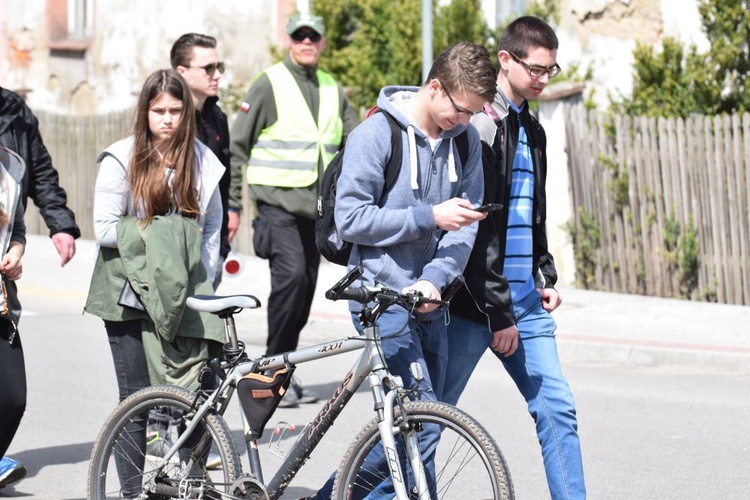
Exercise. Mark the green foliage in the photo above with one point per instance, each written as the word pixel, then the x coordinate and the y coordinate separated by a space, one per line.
pixel 727 26
pixel 682 252
pixel 374 43
pixel 459 21
pixel 689 259
pixel 549 10
pixel 586 238
pixel 619 185
pixel 676 82
pixel 668 82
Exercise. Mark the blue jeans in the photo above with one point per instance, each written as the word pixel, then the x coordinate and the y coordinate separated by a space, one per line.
pixel 535 369
pixel 404 342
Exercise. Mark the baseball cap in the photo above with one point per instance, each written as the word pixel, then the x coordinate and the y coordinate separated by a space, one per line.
pixel 298 21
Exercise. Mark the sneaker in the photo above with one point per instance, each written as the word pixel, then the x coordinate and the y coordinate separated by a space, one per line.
pixel 11 471
pixel 157 444
pixel 304 395
pixel 290 399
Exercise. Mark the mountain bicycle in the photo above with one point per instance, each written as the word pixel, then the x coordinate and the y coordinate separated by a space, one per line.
pixel 466 463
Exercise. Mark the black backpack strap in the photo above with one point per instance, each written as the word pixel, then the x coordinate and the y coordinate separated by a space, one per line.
pixel 462 144
pixel 393 167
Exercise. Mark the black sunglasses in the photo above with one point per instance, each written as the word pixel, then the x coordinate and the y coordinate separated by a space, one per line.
pixel 210 69
pixel 300 35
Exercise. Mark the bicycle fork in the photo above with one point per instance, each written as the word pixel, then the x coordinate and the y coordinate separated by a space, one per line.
pixel 411 444
pixel 385 405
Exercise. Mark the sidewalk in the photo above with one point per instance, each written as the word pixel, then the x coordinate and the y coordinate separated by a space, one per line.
pixel 593 327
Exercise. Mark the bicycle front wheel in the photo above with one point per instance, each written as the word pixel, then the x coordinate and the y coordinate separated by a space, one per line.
pixel 126 454
pixel 466 464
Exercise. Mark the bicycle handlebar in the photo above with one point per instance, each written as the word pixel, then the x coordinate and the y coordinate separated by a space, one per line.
pixel 365 294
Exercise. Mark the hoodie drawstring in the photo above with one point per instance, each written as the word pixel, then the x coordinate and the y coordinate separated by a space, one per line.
pixel 413 163
pixel 451 163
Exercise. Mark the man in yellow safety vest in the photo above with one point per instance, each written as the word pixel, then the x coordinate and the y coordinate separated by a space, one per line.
pixel 294 118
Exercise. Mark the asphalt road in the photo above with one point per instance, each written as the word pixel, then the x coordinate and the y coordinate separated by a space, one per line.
pixel 664 431
pixel 646 432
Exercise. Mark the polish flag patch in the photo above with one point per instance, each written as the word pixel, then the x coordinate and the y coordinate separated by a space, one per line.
pixel 245 106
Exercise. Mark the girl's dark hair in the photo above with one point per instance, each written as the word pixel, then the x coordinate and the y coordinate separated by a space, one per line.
pixel 526 33
pixel 465 67
pixel 154 193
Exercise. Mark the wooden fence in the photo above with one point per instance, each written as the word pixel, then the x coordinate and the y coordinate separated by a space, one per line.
pixel 661 205
pixel 74 143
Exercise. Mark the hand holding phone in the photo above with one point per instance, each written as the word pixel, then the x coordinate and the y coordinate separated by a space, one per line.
pixel 489 207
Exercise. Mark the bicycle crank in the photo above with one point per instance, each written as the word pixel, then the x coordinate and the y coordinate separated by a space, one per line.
pixel 248 488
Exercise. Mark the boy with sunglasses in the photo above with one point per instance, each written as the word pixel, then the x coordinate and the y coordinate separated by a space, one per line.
pixel 295 117
pixel 195 58
pixel 510 275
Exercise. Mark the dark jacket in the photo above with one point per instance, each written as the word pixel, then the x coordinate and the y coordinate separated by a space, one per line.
pixel 213 131
pixel 16 232
pixel 486 297
pixel 19 132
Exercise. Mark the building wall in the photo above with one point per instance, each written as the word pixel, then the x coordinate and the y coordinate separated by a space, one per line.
pixel 129 39
pixel 604 33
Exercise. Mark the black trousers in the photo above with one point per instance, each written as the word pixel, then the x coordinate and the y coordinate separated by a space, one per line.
pixel 293 259
pixel 12 385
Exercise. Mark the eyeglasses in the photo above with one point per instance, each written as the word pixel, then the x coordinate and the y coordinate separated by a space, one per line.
pixel 459 110
pixel 538 71
pixel 300 35
pixel 210 69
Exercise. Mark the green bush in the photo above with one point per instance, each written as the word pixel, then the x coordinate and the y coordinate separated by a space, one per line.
pixel 676 81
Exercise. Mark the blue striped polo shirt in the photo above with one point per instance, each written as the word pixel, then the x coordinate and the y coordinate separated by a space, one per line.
pixel 519 249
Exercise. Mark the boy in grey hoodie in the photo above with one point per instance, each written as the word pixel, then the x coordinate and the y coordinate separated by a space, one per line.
pixel 418 235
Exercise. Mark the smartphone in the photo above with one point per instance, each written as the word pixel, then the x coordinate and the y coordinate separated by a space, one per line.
pixel 489 207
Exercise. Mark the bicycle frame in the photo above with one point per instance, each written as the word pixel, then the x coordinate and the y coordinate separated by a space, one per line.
pixel 368 366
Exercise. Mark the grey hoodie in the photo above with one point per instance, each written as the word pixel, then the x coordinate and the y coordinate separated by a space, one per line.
pixel 394 234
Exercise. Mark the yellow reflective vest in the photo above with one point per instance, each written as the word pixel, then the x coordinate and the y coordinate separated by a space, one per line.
pixel 286 153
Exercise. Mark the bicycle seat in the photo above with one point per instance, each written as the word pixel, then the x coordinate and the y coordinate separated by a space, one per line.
pixel 217 303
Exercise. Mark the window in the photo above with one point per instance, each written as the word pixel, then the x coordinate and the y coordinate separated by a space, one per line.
pixel 70 24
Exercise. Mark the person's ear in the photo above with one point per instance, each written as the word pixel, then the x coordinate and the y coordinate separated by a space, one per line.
pixel 434 86
pixel 503 58
pixel 181 70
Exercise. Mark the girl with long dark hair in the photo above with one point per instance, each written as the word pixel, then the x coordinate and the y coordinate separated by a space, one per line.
pixel 157 218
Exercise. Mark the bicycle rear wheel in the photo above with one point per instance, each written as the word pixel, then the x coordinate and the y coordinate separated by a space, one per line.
pixel 123 465
pixel 467 462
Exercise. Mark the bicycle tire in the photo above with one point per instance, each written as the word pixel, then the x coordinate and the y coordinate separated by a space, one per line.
pixel 463 441
pixel 173 402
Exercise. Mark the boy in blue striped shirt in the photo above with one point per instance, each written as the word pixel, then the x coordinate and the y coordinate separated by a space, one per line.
pixel 510 275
